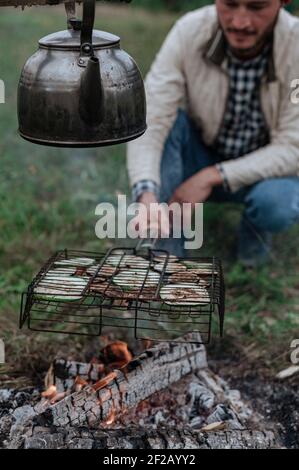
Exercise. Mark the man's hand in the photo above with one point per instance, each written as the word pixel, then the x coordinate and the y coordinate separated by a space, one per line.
pixel 157 220
pixel 199 187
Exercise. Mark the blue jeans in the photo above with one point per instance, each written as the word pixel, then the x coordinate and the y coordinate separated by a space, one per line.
pixel 271 205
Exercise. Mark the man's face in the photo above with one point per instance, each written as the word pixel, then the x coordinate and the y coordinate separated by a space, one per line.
pixel 247 23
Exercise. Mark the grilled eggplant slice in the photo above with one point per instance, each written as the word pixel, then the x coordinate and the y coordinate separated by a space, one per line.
pixel 184 295
pixel 170 267
pixel 134 279
pixel 63 289
pixel 75 262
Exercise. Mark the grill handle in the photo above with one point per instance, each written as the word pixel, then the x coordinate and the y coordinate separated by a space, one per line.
pixel 146 243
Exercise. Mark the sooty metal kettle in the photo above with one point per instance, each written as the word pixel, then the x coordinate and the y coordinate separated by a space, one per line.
pixel 80 89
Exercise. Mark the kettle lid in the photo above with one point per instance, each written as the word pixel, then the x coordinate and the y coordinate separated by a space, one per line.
pixel 71 40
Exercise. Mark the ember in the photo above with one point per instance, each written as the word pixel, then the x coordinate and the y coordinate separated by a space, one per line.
pixel 110 420
pixel 50 393
pixel 165 397
pixel 63 379
pixel 116 355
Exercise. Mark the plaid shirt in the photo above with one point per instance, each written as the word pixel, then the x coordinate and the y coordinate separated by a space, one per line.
pixel 143 187
pixel 244 129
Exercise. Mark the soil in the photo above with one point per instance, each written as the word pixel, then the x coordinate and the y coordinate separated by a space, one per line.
pixel 277 401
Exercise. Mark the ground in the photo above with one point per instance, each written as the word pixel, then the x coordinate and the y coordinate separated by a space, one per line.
pixel 47 202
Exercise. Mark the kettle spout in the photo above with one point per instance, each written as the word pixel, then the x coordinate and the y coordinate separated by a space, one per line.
pixel 91 94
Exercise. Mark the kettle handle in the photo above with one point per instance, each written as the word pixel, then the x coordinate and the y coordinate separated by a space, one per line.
pixel 87 29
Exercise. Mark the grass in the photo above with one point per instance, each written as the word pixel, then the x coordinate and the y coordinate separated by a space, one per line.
pixel 48 197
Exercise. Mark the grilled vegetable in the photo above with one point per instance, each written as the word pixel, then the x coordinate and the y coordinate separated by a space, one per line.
pixel 184 294
pixel 132 279
pixel 108 290
pixel 61 272
pixel 170 267
pixel 162 257
pixel 75 262
pixel 105 271
pixel 130 261
pixel 60 289
pixel 188 276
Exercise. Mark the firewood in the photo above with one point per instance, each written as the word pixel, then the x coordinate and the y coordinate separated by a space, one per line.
pixel 140 438
pixel 152 371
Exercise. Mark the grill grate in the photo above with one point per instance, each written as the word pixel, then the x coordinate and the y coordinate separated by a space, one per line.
pixel 146 290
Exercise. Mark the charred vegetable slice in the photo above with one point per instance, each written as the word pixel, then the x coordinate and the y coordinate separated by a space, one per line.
pixel 75 262
pixel 184 294
pixel 134 279
pixel 162 257
pixel 60 289
pixel 105 271
pixel 130 261
pixel 170 267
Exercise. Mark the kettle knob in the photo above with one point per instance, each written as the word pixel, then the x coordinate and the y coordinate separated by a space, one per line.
pixel 75 24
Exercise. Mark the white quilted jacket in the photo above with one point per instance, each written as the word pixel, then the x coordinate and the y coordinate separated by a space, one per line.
pixel 189 73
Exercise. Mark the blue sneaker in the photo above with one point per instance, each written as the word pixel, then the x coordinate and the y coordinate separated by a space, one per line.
pixel 254 247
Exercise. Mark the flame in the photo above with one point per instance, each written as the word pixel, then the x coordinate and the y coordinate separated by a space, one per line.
pixel 80 383
pixel 113 356
pixel 110 419
pixel 116 355
pixel 58 397
pixel 50 393
pixel 104 382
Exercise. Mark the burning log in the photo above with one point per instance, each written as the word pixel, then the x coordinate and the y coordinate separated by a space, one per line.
pixel 152 371
pixel 65 375
pixel 193 408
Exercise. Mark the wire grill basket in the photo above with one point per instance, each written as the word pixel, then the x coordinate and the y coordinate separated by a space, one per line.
pixel 158 296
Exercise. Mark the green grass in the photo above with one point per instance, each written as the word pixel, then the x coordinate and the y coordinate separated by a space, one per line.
pixel 48 197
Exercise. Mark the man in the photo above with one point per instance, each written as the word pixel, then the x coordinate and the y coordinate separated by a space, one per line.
pixel 221 122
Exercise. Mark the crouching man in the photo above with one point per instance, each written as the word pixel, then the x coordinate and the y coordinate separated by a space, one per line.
pixel 222 125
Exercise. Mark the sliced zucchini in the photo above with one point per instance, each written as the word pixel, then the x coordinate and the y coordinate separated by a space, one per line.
pixel 60 289
pixel 75 262
pixel 184 295
pixel 105 271
pixel 201 268
pixel 64 280
pixel 130 261
pixel 162 257
pixel 133 279
pixel 183 277
pixel 170 267
pixel 108 290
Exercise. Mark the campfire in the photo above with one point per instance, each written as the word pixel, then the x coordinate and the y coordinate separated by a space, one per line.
pixel 103 390
pixel 162 397
pixel 154 390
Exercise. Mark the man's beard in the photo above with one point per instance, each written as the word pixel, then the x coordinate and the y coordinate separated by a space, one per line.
pixel 250 52
pixel 254 50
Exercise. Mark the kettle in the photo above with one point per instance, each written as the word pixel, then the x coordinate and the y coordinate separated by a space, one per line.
pixel 80 89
